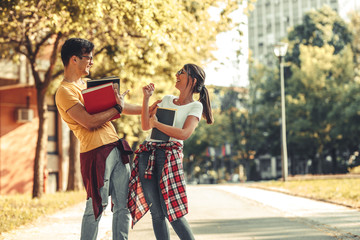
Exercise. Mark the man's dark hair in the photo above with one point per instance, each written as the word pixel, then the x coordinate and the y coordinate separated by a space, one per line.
pixel 75 46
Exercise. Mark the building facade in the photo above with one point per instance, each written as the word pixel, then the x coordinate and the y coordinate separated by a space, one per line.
pixel 271 20
pixel 19 130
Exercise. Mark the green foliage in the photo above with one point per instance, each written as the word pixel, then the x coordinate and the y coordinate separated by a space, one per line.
pixel 322 112
pixel 265 110
pixel 320 87
pixel 355 28
pixel 320 75
pixel 17 210
pixel 319 28
pixel 232 126
pixel 206 135
pixel 139 41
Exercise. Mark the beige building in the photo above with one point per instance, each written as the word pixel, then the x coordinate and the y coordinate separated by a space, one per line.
pixel 270 21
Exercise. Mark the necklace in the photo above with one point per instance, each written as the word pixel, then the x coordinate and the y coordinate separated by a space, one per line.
pixel 176 102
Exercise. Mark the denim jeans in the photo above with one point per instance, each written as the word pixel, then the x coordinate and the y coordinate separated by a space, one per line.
pixel 116 184
pixel 155 200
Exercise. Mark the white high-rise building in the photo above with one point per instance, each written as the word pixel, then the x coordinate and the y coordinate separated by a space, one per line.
pixel 270 21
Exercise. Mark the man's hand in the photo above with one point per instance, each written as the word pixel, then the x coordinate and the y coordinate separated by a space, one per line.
pixel 120 97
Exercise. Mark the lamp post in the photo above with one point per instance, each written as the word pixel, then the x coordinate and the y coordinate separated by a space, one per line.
pixel 280 51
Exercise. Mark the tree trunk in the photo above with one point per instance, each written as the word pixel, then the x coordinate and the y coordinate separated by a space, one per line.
pixel 74 179
pixel 334 161
pixel 41 146
pixel 41 88
pixel 314 164
pixel 321 164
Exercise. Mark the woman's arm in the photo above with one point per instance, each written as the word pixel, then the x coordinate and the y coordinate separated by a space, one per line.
pixel 148 90
pixel 134 109
pixel 184 133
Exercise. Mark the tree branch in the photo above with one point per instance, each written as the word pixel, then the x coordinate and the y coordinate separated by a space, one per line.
pixel 39 44
pixel 58 73
pixel 48 74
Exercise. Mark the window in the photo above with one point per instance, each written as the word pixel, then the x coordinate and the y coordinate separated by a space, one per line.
pixel 268 28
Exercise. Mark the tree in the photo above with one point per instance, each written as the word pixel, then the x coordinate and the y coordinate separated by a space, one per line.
pixel 140 41
pixel 207 135
pixel 320 27
pixel 355 28
pixel 320 64
pixel 74 178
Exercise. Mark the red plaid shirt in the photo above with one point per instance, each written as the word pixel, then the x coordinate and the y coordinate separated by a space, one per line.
pixel 172 183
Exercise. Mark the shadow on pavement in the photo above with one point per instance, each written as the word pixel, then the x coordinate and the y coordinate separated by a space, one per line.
pixel 273 228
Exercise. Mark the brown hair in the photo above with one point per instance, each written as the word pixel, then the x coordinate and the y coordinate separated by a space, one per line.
pixel 196 72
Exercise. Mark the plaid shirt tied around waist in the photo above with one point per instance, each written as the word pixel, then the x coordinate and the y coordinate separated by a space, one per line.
pixel 172 182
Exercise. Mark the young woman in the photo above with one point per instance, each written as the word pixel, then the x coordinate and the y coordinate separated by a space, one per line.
pixel 157 179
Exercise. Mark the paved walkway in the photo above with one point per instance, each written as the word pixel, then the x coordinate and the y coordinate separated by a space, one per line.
pixel 339 220
pixel 65 225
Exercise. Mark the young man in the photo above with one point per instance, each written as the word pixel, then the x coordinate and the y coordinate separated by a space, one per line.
pixel 103 170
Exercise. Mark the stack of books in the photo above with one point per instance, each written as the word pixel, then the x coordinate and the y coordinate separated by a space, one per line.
pixel 100 96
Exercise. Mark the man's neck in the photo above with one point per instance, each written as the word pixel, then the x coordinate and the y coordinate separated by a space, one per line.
pixel 71 77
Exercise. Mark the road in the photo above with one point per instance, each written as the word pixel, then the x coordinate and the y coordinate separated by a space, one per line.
pixel 220 212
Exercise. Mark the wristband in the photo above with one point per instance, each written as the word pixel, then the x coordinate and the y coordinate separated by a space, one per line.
pixel 118 108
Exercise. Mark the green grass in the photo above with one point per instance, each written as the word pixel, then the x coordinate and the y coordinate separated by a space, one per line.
pixel 17 210
pixel 341 191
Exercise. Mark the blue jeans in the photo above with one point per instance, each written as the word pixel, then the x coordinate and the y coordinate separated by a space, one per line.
pixel 116 185
pixel 155 200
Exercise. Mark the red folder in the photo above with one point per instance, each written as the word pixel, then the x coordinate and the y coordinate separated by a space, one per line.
pixel 100 98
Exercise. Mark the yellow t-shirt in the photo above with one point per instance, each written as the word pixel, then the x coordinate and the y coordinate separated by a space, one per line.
pixel 69 94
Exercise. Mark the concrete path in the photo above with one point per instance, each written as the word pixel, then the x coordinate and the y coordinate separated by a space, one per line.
pixel 220 212
pixel 339 221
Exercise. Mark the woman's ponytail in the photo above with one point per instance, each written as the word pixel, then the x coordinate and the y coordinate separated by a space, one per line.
pixel 198 74
pixel 205 101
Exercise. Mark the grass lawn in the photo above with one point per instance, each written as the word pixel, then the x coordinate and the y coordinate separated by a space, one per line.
pixel 341 191
pixel 17 210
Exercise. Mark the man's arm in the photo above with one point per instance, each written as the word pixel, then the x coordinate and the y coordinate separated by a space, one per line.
pixel 90 121
pixel 132 109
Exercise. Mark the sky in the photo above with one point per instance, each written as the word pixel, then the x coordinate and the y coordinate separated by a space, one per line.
pixel 348 5
pixel 224 72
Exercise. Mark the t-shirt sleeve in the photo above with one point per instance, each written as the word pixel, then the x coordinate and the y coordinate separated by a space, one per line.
pixel 196 110
pixel 66 98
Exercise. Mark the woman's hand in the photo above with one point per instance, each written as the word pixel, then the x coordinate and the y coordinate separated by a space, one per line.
pixel 148 90
pixel 153 107
pixel 153 120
